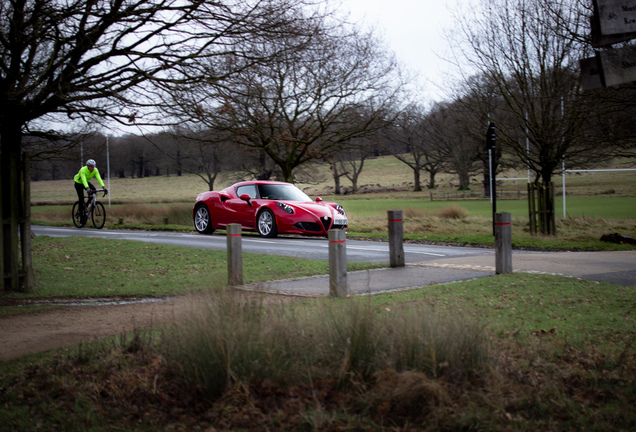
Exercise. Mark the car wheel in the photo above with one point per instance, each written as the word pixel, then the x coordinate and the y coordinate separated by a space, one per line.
pixel 202 220
pixel 266 224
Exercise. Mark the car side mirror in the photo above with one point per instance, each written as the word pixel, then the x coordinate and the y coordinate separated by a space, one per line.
pixel 318 199
pixel 247 199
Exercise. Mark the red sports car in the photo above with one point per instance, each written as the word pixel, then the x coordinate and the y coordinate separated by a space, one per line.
pixel 267 207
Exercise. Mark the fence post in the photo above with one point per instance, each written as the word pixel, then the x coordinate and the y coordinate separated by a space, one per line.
pixel 338 263
pixel 396 238
pixel 234 255
pixel 503 243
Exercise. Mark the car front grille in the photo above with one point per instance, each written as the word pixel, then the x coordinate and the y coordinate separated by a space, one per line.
pixel 308 226
pixel 316 227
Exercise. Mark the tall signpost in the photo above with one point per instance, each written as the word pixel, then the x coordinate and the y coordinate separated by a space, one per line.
pixel 491 145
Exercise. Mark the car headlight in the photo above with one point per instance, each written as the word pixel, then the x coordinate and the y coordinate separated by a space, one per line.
pixel 286 208
pixel 339 208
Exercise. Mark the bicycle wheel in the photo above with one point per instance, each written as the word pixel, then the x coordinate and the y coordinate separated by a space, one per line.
pixel 98 215
pixel 77 217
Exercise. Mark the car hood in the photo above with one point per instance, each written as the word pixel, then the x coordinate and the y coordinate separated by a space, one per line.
pixel 320 209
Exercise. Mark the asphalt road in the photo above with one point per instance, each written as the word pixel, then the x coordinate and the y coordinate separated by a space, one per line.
pixel 316 248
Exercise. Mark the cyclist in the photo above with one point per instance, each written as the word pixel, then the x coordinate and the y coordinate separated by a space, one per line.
pixel 82 178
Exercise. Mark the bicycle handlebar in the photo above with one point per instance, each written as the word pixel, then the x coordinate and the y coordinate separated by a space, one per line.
pixel 91 192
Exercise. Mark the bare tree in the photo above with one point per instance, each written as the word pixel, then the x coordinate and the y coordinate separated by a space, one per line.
pixel 457 145
pixel 79 59
pixel 359 151
pixel 337 172
pixel 204 149
pixel 530 51
pixel 423 152
pixel 348 160
pixel 330 87
pixel 477 102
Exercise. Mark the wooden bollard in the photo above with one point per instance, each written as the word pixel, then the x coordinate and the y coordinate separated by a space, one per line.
pixel 234 255
pixel 396 238
pixel 338 263
pixel 503 243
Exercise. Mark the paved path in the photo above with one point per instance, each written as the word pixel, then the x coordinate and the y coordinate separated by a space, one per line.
pixel 614 267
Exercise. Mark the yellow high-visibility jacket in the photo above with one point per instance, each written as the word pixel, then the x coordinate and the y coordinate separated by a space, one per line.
pixel 85 175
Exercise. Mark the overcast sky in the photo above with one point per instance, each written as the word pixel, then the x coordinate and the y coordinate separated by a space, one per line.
pixel 414 30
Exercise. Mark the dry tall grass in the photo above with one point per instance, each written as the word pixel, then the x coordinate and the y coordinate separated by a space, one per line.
pixel 452 212
pixel 230 340
pixel 134 214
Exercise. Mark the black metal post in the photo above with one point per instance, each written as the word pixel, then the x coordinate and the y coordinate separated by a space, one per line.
pixel 491 144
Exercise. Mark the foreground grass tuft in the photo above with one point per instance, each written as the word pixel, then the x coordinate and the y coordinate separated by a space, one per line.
pixel 234 341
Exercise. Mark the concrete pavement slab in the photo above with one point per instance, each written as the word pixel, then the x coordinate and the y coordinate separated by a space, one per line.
pixel 618 267
pixel 613 267
pixel 372 281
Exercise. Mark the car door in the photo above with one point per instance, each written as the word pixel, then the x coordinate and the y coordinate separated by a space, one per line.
pixel 240 211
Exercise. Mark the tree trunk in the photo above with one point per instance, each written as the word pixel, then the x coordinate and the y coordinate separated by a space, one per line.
pixel 336 178
pixel 354 177
pixel 288 175
pixel 431 180
pixel 417 186
pixel 211 180
pixel 11 144
pixel 15 212
pixel 464 181
pixel 541 208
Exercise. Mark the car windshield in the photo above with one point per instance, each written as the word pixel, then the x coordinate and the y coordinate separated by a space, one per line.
pixel 282 192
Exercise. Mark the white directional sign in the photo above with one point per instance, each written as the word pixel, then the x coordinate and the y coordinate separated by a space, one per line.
pixel 617 16
pixel 618 66
pixel 614 21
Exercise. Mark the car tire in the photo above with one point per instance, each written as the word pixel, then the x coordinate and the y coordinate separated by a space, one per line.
pixel 202 220
pixel 266 224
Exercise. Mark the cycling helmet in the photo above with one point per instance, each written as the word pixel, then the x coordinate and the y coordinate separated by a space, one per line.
pixel 90 162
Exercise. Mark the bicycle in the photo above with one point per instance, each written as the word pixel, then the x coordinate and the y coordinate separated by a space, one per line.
pixel 94 209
